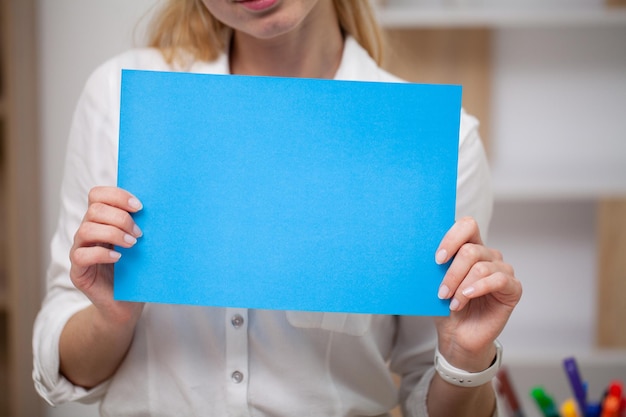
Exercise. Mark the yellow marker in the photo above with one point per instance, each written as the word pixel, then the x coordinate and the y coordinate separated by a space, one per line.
pixel 569 408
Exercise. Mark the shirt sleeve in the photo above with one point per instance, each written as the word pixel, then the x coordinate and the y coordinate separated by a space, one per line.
pixel 474 190
pixel 413 354
pixel 91 160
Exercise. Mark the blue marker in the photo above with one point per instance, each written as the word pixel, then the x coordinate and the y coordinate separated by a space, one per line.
pixel 571 369
pixel 593 410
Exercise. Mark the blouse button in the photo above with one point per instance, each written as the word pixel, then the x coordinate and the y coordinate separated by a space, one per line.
pixel 237 321
pixel 237 377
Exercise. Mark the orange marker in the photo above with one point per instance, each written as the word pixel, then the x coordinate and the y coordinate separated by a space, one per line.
pixel 613 402
pixel 610 406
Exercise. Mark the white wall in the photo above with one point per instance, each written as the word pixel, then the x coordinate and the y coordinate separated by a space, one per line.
pixel 558 134
pixel 75 36
pixel 559 104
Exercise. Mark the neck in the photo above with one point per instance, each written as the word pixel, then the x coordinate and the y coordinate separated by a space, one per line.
pixel 312 50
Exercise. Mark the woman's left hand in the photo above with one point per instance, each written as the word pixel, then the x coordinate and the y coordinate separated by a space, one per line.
pixel 483 291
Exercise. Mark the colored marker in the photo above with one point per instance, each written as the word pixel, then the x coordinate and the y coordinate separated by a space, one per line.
pixel 571 369
pixel 610 406
pixel 505 388
pixel 569 408
pixel 545 402
pixel 615 389
pixel 593 410
pixel 613 401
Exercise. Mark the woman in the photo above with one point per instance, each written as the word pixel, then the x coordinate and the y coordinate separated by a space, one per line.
pixel 146 359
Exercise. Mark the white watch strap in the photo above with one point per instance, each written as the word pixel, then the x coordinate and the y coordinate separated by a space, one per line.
pixel 463 378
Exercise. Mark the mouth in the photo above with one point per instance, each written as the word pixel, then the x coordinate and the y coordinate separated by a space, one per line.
pixel 257 5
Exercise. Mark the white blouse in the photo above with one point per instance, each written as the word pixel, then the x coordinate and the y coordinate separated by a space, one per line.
pixel 202 361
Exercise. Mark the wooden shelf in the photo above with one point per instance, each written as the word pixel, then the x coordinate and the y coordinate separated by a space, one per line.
pixel 3 225
pixel 4 298
pixel 20 269
pixel 415 16
pixel 536 187
pixel 4 365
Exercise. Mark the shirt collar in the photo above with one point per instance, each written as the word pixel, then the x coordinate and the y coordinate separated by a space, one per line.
pixel 356 64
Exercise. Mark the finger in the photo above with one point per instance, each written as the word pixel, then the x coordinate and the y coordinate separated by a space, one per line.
pixel 85 257
pixel 92 234
pixel 105 214
pixel 465 230
pixel 82 272
pixel 467 288
pixel 466 258
pixel 500 284
pixel 116 197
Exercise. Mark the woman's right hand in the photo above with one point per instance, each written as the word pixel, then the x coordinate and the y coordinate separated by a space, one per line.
pixel 107 223
pixel 96 339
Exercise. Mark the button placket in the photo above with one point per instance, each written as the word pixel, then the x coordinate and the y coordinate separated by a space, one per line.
pixel 236 325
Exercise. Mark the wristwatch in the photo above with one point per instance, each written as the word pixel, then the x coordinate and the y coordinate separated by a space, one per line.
pixel 461 378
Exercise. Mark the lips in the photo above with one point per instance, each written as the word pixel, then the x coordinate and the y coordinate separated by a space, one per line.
pixel 257 5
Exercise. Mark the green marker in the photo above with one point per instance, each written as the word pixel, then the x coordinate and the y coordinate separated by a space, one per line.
pixel 545 402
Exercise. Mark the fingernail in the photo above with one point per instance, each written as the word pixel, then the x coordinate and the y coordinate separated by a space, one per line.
pixel 444 292
pixel 134 203
pixel 468 291
pixel 115 255
pixel 454 304
pixel 129 239
pixel 137 231
pixel 441 256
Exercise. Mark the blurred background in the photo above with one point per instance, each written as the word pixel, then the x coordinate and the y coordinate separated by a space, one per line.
pixel 547 78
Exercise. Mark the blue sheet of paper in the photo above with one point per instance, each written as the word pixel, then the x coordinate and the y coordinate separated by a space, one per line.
pixel 289 194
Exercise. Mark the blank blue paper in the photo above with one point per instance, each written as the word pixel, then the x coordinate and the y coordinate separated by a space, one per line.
pixel 289 194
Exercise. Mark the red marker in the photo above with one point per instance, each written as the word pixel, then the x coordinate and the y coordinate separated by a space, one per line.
pixel 505 388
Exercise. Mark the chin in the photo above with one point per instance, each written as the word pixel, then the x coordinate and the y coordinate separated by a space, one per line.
pixel 272 30
pixel 281 19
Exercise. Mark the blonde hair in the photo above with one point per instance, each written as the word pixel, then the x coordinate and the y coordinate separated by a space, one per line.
pixel 186 27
